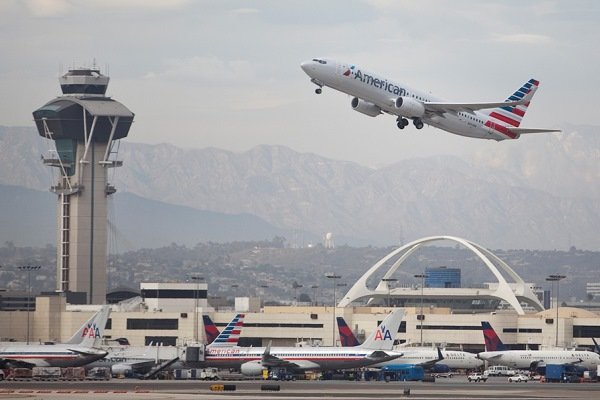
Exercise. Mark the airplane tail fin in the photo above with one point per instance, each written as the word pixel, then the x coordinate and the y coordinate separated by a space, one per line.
pixel 385 334
pixel 492 341
pixel 210 329
pixel 347 338
pixel 596 347
pixel 231 334
pixel 90 333
pixel 511 116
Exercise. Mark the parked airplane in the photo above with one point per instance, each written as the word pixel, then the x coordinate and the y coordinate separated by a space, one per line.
pixel 374 95
pixel 142 360
pixel 497 354
pixel 80 349
pixel 435 359
pixel 252 360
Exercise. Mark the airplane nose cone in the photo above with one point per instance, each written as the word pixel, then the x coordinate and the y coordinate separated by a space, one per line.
pixel 305 65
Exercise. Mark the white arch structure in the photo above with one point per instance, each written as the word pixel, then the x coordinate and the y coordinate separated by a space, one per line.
pixel 513 294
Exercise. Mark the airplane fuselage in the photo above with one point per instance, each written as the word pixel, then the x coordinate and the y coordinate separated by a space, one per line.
pixel 310 358
pixel 51 355
pixel 524 358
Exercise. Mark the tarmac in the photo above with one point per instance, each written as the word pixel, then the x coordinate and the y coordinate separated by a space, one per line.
pixel 450 388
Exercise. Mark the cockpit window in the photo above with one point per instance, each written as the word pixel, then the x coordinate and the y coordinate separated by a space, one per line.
pixel 320 61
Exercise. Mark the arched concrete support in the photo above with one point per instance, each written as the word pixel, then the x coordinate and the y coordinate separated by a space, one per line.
pixel 504 291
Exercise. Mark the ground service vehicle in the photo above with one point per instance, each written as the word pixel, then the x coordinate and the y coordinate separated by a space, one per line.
pixel 518 378
pixel 476 377
pixel 499 370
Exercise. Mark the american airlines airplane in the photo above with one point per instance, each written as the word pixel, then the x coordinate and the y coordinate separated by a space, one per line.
pixel 429 358
pixel 374 95
pixel 497 354
pixel 252 360
pixel 145 360
pixel 80 349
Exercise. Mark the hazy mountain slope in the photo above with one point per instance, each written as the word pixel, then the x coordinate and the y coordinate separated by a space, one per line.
pixel 541 193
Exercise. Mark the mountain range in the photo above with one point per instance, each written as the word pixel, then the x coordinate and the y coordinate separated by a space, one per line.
pixel 539 192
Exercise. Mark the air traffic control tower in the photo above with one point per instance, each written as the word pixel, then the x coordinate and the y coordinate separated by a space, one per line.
pixel 85 125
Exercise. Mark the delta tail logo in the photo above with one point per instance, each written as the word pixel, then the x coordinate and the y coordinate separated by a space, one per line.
pixel 91 331
pixel 383 334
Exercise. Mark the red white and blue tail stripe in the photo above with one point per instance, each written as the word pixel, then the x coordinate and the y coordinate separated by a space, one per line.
pixel 231 334
pixel 504 118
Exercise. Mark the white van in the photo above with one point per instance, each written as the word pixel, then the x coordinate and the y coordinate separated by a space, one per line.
pixel 499 370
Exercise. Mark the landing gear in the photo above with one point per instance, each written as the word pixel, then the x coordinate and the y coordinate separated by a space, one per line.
pixel 401 122
pixel 418 123
pixel 318 90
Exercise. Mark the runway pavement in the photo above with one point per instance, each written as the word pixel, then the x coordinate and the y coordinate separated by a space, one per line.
pixel 453 388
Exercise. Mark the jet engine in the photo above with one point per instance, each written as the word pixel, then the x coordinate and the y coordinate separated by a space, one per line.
pixel 365 107
pixel 121 369
pixel 409 107
pixel 252 368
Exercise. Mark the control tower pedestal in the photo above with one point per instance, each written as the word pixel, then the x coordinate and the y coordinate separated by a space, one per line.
pixel 84 125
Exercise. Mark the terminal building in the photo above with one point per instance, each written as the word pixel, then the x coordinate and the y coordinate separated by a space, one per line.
pixel 447 314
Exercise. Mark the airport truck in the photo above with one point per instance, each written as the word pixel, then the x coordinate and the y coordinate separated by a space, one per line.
pixel 402 373
pixel 563 373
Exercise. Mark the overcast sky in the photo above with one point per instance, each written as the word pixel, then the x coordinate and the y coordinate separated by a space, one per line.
pixel 227 74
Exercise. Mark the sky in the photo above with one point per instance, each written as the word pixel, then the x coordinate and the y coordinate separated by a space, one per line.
pixel 226 74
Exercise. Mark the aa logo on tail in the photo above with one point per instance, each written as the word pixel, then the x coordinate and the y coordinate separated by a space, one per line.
pixel 383 334
pixel 91 331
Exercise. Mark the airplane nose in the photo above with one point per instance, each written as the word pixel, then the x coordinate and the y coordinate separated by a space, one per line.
pixel 305 66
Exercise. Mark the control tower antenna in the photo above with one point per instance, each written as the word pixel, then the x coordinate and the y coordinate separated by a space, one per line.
pixel 83 124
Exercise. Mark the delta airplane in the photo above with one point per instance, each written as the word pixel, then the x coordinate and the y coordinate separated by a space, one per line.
pixel 252 360
pixel 374 95
pixel 429 358
pixel 497 354
pixel 80 349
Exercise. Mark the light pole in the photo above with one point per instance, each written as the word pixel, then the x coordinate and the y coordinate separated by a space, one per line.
pixel 197 279
pixel 334 277
pixel 314 288
pixel 387 282
pixel 421 316
pixel 29 268
pixel 556 278
pixel 296 285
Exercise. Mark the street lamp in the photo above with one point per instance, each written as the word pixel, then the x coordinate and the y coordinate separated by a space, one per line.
pixel 421 316
pixel 556 278
pixel 387 282
pixel 334 277
pixel 314 288
pixel 29 268
pixel 197 279
pixel 296 285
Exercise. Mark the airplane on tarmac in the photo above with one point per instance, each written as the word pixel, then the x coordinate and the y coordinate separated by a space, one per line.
pixel 131 360
pixel 497 354
pixel 82 348
pixel 253 360
pixel 374 95
pixel 435 359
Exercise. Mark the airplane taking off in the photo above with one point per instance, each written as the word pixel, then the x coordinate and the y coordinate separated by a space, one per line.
pixel 252 360
pixel 497 354
pixel 80 349
pixel 429 358
pixel 374 95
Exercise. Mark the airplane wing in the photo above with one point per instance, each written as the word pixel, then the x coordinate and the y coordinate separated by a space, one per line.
pixel 440 108
pixel 269 360
pixel 379 356
pixel 11 363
